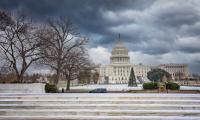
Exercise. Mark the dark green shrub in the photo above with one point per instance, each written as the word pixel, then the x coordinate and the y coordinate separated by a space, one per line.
pixel 50 88
pixel 150 86
pixel 172 86
pixel 15 81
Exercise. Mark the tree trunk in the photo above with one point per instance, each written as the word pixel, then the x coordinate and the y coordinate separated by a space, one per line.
pixel 57 78
pixel 20 78
pixel 68 84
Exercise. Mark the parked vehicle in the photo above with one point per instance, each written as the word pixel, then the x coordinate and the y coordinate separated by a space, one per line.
pixel 98 90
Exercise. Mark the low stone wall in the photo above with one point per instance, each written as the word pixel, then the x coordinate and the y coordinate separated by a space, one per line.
pixel 22 88
pixel 189 83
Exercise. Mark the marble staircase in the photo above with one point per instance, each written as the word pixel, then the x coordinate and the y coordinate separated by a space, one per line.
pixel 108 106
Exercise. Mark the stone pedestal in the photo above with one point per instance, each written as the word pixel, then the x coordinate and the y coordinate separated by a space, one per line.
pixel 162 88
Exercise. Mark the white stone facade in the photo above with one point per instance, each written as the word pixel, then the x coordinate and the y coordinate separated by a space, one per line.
pixel 177 71
pixel 118 71
pixel 141 72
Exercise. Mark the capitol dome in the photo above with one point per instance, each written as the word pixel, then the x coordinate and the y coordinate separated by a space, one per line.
pixel 119 53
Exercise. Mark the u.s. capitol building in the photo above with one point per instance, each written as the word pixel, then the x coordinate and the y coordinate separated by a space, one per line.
pixel 118 70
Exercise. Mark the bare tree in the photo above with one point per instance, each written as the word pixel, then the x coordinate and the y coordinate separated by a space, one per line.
pixel 76 61
pixel 88 74
pixel 84 76
pixel 19 45
pixel 60 37
pixel 96 77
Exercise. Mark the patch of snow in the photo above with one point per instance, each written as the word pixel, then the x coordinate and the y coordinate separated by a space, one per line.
pixel 109 87
pixel 189 88
pixel 123 87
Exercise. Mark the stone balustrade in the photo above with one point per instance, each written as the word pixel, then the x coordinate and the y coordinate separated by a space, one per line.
pixel 23 88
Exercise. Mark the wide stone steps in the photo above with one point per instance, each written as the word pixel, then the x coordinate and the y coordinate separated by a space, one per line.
pixel 110 106
pixel 100 98
pixel 56 112
pixel 102 106
pixel 73 117
pixel 85 96
pixel 103 101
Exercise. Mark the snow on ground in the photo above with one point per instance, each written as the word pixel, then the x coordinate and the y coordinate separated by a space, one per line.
pixel 109 87
pixel 189 88
pixel 123 87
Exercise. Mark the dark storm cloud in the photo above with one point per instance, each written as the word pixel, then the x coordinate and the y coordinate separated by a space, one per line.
pixel 152 27
pixel 86 13
pixel 177 17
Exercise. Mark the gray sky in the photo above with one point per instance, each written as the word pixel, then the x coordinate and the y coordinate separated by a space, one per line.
pixel 155 31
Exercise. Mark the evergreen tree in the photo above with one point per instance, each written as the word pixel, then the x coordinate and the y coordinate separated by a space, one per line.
pixel 132 80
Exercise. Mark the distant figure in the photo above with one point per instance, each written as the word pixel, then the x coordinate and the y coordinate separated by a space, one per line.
pixel 63 90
